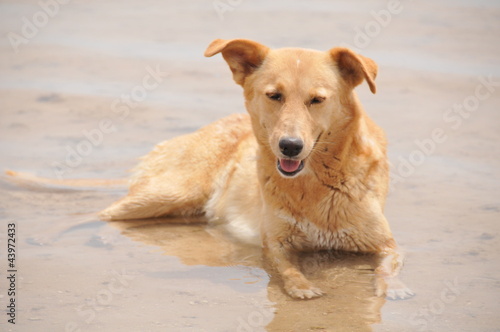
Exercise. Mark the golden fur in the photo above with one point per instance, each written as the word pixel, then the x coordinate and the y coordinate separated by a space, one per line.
pixel 228 169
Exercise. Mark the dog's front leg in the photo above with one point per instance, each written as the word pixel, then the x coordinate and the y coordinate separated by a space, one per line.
pixel 278 250
pixel 387 276
pixel 286 263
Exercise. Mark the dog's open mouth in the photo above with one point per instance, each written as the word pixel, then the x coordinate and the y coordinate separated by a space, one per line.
pixel 290 167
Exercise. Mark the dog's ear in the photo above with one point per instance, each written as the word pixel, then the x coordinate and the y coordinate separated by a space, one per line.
pixel 354 67
pixel 243 56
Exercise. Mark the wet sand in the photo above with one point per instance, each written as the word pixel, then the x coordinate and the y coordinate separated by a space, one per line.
pixel 73 104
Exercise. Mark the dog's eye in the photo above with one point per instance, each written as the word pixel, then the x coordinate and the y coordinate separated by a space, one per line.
pixel 275 96
pixel 317 100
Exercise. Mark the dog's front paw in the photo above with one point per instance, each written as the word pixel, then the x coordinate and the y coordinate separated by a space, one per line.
pixel 298 287
pixel 399 293
pixel 304 294
pixel 302 290
pixel 396 290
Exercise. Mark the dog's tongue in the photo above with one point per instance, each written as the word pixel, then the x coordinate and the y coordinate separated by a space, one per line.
pixel 289 165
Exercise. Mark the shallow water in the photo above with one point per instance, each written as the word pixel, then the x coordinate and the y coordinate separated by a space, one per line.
pixel 77 273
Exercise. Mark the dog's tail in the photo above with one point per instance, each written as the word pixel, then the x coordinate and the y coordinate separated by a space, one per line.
pixel 33 181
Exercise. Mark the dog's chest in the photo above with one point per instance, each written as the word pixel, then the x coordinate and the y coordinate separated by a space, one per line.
pixel 308 236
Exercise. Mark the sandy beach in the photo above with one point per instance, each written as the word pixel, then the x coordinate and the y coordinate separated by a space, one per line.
pixel 87 88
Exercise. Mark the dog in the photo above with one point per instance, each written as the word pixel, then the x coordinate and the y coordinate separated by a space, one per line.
pixel 305 170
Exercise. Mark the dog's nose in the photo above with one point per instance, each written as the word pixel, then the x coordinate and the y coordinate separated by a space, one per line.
pixel 291 146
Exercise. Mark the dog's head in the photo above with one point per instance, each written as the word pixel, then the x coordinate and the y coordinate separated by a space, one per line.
pixel 294 96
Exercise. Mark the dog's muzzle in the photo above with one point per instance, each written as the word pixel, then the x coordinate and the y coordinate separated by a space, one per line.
pixel 290 147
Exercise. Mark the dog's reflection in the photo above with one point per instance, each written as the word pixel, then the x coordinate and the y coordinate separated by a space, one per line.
pixel 349 281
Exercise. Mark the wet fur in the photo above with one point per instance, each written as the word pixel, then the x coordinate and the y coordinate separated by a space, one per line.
pixel 227 170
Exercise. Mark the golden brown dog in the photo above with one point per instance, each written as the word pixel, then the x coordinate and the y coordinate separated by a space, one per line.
pixel 306 170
